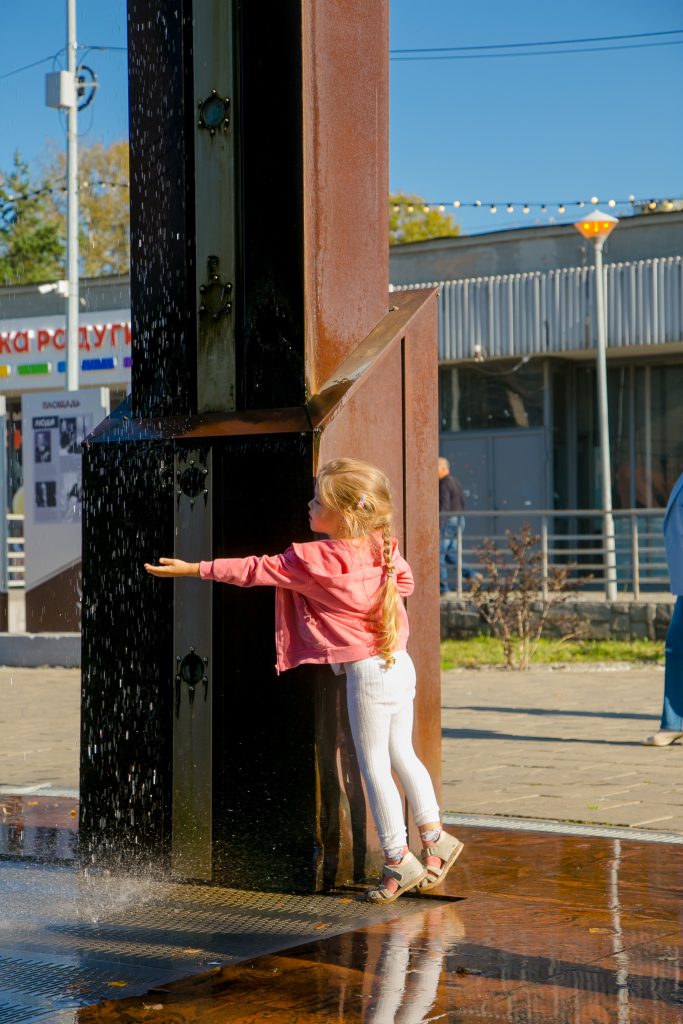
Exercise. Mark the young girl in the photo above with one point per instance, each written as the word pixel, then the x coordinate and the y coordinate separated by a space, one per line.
pixel 338 602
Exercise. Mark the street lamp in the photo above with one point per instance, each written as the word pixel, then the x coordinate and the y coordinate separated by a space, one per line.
pixel 598 226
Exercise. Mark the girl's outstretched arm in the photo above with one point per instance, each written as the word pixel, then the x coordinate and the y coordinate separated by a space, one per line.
pixel 173 567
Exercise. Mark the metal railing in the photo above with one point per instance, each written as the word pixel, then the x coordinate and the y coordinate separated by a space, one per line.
pixel 566 536
pixel 14 554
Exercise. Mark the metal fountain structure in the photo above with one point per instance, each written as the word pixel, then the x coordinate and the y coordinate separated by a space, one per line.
pixel 265 342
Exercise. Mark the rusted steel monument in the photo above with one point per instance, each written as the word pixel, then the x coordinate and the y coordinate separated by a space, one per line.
pixel 265 342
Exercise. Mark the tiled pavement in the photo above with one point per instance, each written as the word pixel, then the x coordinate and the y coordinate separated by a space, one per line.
pixel 39 727
pixel 558 744
pixel 562 744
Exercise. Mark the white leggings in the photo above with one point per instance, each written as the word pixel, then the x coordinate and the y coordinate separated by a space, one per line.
pixel 380 702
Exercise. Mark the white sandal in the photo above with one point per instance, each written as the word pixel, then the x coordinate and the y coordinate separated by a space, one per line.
pixel 447 849
pixel 663 738
pixel 409 874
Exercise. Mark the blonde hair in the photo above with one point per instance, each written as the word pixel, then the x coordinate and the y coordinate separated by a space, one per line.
pixel 361 495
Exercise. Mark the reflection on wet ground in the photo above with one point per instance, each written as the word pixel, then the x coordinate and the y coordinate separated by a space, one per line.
pixel 549 928
pixel 39 827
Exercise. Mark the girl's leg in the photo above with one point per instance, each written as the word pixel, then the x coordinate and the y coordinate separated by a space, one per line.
pixel 439 850
pixel 370 718
pixel 672 712
pixel 414 776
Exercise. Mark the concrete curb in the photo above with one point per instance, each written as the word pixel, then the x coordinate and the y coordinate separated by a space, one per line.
pixel 35 650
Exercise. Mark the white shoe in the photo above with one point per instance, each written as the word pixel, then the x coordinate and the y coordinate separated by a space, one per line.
pixel 663 738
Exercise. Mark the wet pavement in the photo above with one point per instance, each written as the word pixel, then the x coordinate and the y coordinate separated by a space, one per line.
pixel 534 927
pixel 545 922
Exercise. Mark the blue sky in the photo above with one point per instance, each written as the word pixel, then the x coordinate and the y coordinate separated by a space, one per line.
pixel 556 127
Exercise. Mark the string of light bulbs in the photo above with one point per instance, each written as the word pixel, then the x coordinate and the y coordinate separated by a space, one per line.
pixel 543 206
pixel 410 206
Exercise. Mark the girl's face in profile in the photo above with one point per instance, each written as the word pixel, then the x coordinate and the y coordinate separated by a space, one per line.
pixel 323 520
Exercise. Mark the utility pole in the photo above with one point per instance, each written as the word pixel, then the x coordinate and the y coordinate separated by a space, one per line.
pixel 61 93
pixel 72 362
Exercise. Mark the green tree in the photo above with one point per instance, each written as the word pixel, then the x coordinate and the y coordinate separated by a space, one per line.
pixel 31 246
pixel 103 206
pixel 412 220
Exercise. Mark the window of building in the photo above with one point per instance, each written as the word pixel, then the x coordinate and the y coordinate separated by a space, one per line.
pixel 494 397
pixel 646 435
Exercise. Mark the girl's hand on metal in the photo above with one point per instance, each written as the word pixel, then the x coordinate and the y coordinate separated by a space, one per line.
pixel 173 567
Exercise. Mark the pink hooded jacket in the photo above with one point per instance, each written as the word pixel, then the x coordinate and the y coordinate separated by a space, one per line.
pixel 325 591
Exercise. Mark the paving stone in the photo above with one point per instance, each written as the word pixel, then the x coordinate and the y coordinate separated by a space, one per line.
pixel 543 743
pixel 577 731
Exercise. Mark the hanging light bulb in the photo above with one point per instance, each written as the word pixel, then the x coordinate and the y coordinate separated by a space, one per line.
pixel 510 208
pixel 594 200
pixel 652 205
pixel 669 204
pixel 543 209
pixel 612 202
pixel 631 199
pixel 494 209
pixel 442 209
pixel 581 204
pixel 397 209
pixel 410 209
pixel 477 202
pixel 560 208
pixel 456 204
pixel 525 208
pixel 425 209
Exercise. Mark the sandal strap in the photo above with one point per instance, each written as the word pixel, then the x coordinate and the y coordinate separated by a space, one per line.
pixel 406 872
pixel 441 849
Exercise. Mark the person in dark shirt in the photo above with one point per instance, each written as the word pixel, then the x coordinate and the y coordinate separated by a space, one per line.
pixel 451 507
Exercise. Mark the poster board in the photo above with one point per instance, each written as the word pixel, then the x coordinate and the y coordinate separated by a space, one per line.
pixel 54 425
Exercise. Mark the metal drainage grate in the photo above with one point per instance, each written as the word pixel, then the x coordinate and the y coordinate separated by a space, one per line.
pixel 640 835
pixel 38 985
pixel 67 940
pixel 13 1013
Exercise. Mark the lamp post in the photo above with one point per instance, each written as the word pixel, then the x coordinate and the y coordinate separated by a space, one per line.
pixel 597 227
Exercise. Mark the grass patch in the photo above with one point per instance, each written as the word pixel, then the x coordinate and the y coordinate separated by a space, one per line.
pixel 482 651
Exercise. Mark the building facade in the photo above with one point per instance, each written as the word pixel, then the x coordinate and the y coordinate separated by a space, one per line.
pixel 518 411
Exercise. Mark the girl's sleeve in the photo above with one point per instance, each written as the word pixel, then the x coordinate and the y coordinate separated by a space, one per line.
pixel 404 576
pixel 285 570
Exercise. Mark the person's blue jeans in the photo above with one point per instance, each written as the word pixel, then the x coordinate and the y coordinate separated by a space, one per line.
pixel 448 550
pixel 672 713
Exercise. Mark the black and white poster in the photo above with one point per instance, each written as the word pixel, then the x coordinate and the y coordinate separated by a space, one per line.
pixel 54 428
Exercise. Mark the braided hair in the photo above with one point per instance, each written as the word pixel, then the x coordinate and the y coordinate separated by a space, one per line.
pixel 361 494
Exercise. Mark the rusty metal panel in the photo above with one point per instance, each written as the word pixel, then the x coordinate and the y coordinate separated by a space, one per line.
pixel 421 530
pixel 371 427
pixel 346 176
pixel 389 417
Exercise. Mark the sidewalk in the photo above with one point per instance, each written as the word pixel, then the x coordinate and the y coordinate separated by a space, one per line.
pixel 39 723
pixel 560 744
pixel 554 744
